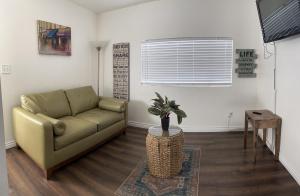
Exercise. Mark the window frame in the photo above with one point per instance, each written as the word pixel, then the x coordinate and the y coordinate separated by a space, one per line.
pixel 188 84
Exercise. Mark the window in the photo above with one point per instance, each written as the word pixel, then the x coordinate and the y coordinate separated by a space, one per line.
pixel 188 61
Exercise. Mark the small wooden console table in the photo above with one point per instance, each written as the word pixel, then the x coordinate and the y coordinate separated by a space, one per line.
pixel 263 119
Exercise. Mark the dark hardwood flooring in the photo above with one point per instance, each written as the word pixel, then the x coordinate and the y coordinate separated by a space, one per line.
pixel 226 169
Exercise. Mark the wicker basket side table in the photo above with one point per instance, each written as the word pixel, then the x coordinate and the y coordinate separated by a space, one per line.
pixel 164 151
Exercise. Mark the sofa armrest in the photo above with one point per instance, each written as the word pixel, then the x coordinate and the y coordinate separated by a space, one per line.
pixel 34 135
pixel 59 127
pixel 115 105
pixel 112 104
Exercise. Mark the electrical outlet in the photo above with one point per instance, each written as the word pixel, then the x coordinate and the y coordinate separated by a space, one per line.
pixel 229 119
pixel 5 69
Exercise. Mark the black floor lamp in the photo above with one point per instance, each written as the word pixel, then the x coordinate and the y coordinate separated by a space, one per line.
pixel 98 45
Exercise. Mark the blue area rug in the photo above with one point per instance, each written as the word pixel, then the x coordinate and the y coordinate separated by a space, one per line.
pixel 186 183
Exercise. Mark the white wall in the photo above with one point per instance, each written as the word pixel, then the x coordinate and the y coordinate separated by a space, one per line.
pixel 32 72
pixel 207 108
pixel 288 96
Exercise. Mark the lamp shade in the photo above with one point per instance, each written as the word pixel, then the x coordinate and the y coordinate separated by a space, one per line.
pixel 97 44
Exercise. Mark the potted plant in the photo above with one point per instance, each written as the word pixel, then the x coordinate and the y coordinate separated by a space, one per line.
pixel 163 108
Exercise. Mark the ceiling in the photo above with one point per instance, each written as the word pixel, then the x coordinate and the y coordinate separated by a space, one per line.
pixel 99 6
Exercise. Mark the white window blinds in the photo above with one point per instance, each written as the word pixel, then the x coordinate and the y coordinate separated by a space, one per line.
pixel 187 61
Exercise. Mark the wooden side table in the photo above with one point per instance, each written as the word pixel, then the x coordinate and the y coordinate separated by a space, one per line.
pixel 263 119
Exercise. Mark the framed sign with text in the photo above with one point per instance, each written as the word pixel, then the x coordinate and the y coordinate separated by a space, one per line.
pixel 121 70
pixel 246 63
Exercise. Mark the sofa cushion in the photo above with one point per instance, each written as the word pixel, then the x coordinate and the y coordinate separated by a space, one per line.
pixel 59 127
pixel 76 129
pixel 53 104
pixel 111 104
pixel 103 118
pixel 82 99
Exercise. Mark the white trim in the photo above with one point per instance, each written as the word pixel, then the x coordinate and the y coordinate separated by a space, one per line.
pixel 191 128
pixel 187 38
pixel 270 146
pixel 291 170
pixel 191 56
pixel 268 143
pixel 199 85
pixel 284 162
pixel 10 144
pixel 140 125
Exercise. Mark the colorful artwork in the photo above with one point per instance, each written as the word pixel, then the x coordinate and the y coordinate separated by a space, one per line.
pixel 54 39
pixel 121 70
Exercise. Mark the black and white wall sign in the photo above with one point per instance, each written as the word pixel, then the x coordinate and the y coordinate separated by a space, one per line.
pixel 121 70
pixel 246 63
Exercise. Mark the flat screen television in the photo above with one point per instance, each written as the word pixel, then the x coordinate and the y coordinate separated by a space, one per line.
pixel 279 19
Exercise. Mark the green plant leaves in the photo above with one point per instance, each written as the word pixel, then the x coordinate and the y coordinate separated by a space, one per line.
pixel 158 105
pixel 179 119
pixel 159 97
pixel 163 107
pixel 154 111
pixel 181 113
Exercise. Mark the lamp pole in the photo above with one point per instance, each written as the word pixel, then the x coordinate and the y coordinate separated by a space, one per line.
pixel 98 69
pixel 99 45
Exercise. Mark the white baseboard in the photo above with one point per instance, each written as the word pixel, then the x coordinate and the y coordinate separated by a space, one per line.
pixel 270 146
pixel 284 162
pixel 140 125
pixel 191 128
pixel 290 169
pixel 10 144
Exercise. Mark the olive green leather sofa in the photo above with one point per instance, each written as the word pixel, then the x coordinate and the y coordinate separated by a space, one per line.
pixel 57 127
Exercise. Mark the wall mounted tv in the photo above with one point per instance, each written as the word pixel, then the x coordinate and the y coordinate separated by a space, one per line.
pixel 279 18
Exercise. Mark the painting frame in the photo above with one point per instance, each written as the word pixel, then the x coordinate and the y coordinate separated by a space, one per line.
pixel 54 39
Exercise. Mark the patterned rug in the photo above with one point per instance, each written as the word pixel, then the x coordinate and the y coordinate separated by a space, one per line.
pixel 141 183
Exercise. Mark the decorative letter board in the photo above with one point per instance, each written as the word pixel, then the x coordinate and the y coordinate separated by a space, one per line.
pixel 121 70
pixel 246 62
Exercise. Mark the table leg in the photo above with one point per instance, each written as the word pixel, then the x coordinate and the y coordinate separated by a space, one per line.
pixel 277 139
pixel 255 130
pixel 246 131
pixel 265 137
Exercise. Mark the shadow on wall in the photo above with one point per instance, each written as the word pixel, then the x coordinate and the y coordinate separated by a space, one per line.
pixel 138 110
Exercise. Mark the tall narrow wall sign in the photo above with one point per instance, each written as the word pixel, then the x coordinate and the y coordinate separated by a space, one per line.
pixel 121 70
pixel 246 63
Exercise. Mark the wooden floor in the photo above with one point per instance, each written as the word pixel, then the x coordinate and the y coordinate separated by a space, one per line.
pixel 226 169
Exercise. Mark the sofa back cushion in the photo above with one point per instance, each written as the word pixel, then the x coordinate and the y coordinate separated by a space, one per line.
pixel 82 99
pixel 54 104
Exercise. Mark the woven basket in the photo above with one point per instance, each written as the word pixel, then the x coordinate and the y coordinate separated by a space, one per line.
pixel 164 154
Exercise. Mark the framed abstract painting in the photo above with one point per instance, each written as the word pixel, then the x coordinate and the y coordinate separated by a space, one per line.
pixel 54 39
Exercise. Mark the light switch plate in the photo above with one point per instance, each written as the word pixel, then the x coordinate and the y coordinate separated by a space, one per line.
pixel 5 69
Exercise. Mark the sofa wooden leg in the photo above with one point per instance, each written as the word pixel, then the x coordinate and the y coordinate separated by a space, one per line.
pixel 48 173
pixel 124 131
pixel 18 147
